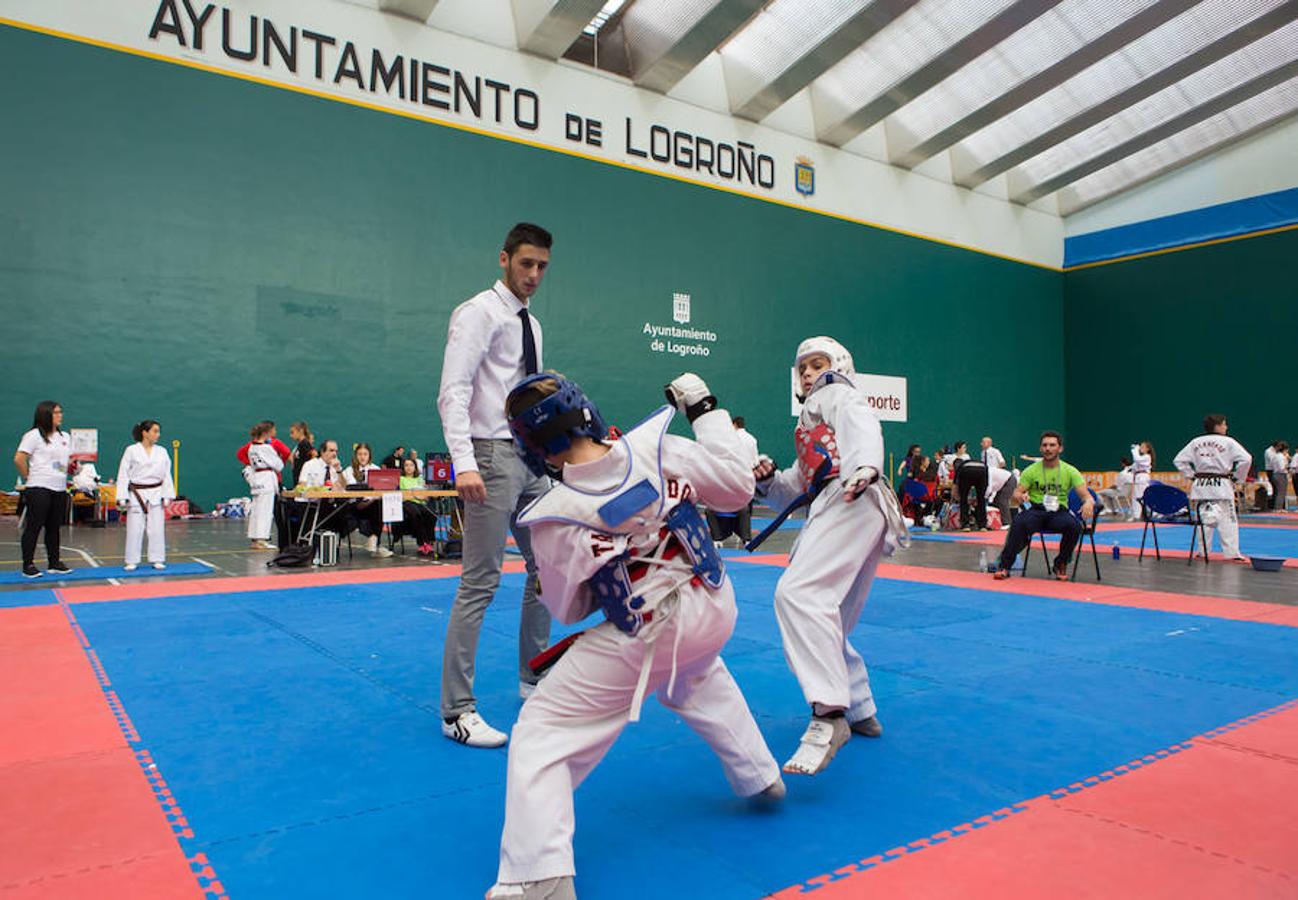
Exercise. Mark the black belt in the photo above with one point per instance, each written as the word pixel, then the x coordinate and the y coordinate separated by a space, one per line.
pixel 1206 476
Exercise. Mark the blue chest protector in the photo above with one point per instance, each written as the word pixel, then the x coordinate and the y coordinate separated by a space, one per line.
pixel 636 506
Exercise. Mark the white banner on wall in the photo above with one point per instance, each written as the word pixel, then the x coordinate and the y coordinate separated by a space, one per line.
pixel 363 57
pixel 886 395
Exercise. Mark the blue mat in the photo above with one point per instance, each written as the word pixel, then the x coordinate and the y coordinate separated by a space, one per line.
pixel 37 597
pixel 299 732
pixel 99 573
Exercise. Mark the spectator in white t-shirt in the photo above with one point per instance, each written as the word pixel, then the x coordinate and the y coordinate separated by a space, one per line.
pixel 42 461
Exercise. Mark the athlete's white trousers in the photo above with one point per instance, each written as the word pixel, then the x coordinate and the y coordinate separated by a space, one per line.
pixel 1138 485
pixel 1227 527
pixel 137 523
pixel 819 599
pixel 582 705
pixel 260 516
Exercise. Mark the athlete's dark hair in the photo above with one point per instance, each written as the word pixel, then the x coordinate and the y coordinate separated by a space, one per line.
pixel 138 431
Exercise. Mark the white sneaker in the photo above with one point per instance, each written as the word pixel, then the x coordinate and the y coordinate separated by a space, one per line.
pixel 159 566
pixel 471 730
pixel 560 888
pixel 819 743
pixel 525 689
pixel 376 549
pixel 129 567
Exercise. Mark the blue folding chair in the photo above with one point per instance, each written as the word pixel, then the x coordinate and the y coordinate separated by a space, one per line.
pixel 1088 530
pixel 1164 504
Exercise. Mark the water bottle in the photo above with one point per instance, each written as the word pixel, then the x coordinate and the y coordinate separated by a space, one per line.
pixel 1117 551
pixel 982 560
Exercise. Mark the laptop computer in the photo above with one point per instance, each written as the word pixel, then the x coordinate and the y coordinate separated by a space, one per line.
pixel 383 479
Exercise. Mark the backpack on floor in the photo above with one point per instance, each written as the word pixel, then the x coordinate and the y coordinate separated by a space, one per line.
pixel 294 556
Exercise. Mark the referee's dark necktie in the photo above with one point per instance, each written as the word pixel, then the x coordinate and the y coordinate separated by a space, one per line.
pixel 529 343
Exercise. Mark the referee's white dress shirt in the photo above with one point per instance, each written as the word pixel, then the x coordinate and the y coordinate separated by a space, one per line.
pixel 484 359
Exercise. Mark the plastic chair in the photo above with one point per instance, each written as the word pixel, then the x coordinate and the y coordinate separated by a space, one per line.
pixel 1088 530
pixel 1164 504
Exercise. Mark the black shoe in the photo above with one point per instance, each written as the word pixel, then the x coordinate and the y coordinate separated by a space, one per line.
pixel 1061 570
pixel 31 572
pixel 57 568
pixel 867 727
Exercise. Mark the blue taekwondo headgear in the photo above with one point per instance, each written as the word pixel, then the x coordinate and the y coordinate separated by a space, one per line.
pixel 547 427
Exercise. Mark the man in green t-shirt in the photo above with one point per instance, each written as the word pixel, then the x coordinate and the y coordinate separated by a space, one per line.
pixel 1043 496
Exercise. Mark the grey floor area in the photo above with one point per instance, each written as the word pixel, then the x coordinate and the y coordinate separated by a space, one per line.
pixel 221 543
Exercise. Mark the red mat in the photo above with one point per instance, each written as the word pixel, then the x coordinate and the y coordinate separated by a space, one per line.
pixel 1209 821
pixel 90 825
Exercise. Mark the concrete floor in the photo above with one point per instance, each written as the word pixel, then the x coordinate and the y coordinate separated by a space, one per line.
pixel 221 543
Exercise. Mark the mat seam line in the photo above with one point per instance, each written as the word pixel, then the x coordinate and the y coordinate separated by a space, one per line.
pixel 199 866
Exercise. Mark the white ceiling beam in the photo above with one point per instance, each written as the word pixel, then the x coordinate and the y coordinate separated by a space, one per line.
pixel 945 64
pixel 1197 114
pixel 1071 202
pixel 661 57
pixel 549 27
pixel 419 10
pixel 1051 77
pixel 1205 56
pixel 819 58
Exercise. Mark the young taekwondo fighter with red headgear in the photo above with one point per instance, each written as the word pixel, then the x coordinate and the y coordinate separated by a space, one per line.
pixel 620 535
pixel 853 520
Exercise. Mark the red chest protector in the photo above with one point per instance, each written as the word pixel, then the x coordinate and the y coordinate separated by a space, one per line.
pixel 806 441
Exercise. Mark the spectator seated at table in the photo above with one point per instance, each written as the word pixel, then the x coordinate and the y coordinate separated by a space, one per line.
pixel 418 520
pixel 1043 494
pixel 326 471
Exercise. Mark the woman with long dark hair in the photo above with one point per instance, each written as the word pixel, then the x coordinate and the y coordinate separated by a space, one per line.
pixel 144 488
pixel 42 461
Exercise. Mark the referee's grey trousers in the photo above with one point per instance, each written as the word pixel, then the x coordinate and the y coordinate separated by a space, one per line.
pixel 1280 489
pixel 510 487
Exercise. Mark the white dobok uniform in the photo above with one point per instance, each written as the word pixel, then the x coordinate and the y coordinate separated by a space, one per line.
pixel 1215 462
pixel 262 473
pixel 678 624
pixel 819 598
pixel 1117 499
pixel 144 483
pixel 1141 466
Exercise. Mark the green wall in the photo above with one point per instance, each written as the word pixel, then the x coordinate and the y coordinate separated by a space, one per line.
pixel 1155 344
pixel 209 252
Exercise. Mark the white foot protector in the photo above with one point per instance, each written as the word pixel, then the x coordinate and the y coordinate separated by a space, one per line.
pixel 560 888
pixel 819 743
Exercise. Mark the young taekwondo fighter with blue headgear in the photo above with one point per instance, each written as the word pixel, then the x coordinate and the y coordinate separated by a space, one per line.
pixel 853 520
pixel 620 535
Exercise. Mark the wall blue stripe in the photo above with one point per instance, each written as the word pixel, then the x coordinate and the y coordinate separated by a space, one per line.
pixel 1239 217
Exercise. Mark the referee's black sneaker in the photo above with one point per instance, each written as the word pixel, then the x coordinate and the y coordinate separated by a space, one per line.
pixel 57 568
pixel 31 572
